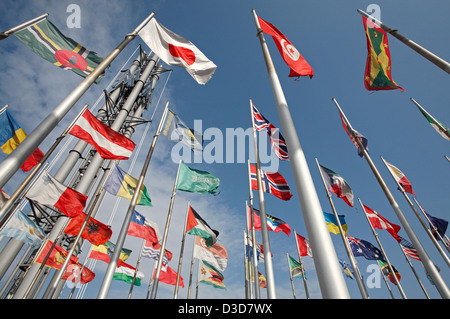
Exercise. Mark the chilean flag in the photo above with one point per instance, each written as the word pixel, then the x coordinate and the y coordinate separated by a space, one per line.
pixel 48 191
pixel 272 183
pixel 143 228
pixel 108 143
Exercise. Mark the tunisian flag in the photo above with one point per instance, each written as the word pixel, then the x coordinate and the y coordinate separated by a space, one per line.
pixel 176 50
pixel 108 143
pixel 48 191
pixel 290 54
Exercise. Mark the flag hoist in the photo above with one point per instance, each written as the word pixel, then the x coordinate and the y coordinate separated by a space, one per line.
pixel 426 261
pixel 331 279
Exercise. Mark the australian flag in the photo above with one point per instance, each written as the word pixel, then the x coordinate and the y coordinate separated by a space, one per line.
pixel 276 139
pixel 272 183
pixel 363 248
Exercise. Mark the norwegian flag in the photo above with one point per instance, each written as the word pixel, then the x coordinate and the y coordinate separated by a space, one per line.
pixel 409 249
pixel 276 139
pixel 272 183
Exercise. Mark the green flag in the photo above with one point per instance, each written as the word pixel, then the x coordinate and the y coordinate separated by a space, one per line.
pixel 435 124
pixel 44 39
pixel 196 181
pixel 295 267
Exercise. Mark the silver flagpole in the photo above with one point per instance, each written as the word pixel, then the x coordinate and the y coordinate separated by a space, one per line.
pixel 190 273
pixel 391 269
pixel 433 58
pixel 290 276
pixel 136 270
pixel 7 33
pixel 427 230
pixel 180 261
pixel 164 240
pixel 271 294
pixel 442 130
pixel 428 264
pixel 303 269
pixel 103 292
pixel 359 280
pixel 247 263
pixel 329 274
pixel 245 266
pixel 10 165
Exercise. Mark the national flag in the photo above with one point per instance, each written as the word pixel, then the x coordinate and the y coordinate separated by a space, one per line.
pixel 48 191
pixel 348 271
pixel 44 39
pixel 435 124
pixel 198 227
pixel 272 183
pixel 104 253
pixel 333 225
pixel 336 184
pixel 273 223
pixel 21 227
pixel 295 267
pixel 262 280
pixel 3 198
pixel 178 51
pixel 276 139
pixel 249 250
pixel 121 184
pixel 216 255
pixel 126 273
pixel 359 136
pixel 196 181
pixel 378 66
pixel 209 275
pixel 380 222
pixel 400 178
pixel 387 272
pixel 95 232
pixel 72 273
pixel 153 250
pixel 363 248
pixel 143 228
pixel 176 131
pixel 290 54
pixel 409 249
pixel 11 135
pixel 303 246
pixel 56 258
pixel 438 226
pixel 168 276
pixel 108 143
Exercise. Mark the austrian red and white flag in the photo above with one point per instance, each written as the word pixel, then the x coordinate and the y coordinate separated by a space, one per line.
pixel 176 50
pixel 293 58
pixel 400 178
pixel 108 143
pixel 48 191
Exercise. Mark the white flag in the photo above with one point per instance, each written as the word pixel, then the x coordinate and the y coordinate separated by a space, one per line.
pixel 176 50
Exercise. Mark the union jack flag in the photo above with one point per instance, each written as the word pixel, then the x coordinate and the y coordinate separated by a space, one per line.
pixel 276 139
pixel 272 183
pixel 409 249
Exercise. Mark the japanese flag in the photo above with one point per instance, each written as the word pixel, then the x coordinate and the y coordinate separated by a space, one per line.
pixel 176 50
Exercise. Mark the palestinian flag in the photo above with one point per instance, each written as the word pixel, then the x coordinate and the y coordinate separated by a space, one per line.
pixel 198 227
pixel 378 66
pixel 44 39
pixel 336 184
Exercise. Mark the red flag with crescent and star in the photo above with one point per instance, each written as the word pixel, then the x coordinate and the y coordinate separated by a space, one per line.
pixel 293 58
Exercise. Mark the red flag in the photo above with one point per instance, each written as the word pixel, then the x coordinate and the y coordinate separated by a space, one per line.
pixel 168 276
pixel 290 54
pixel 32 160
pixel 72 274
pixel 303 246
pixel 272 183
pixel 56 258
pixel 96 232
pixel 380 222
pixel 143 228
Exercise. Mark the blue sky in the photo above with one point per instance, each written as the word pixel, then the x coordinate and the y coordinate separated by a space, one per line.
pixel 330 36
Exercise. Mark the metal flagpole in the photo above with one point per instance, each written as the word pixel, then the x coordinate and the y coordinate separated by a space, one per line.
pixel 7 33
pixel 271 294
pixel 180 261
pixel 441 63
pixel 428 264
pixel 136 270
pixel 166 231
pixel 391 269
pixel 290 276
pixel 427 230
pixel 248 272
pixel 442 129
pixel 190 273
pixel 102 294
pixel 358 276
pixel 245 268
pixel 301 264
pixel 252 224
pixel 415 274
pixel 10 165
pixel 331 279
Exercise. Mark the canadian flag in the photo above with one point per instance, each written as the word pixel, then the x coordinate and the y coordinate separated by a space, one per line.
pixel 176 50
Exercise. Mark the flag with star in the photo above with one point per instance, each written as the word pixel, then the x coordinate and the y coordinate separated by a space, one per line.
pixel 365 249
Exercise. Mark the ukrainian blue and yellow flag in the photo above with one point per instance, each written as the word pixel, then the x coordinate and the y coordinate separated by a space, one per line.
pixel 11 134
pixel 332 223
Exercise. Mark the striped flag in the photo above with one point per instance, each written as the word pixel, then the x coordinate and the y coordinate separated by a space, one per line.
pixel 361 137
pixel 216 255
pixel 197 226
pixel 336 184
pixel 209 275
pixel 409 249
pixel 44 39
pixel 276 139
pixel 400 178
pixel 152 250
pixel 273 223
pixel 272 183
